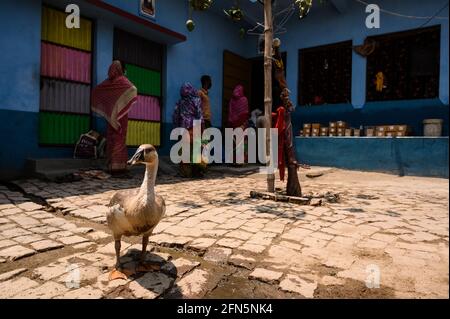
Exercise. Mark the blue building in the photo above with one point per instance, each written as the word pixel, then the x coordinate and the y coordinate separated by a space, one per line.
pixel 173 55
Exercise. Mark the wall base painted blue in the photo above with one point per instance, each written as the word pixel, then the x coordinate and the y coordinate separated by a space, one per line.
pixel 19 134
pixel 420 156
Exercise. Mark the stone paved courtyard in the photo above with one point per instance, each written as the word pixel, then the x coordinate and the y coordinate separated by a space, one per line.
pixel 217 242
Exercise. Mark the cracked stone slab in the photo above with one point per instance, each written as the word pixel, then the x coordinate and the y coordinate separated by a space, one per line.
pixel 51 271
pixel 47 290
pixel 239 234
pixel 97 259
pixel 60 234
pixel 54 221
pixel 83 245
pixel 97 235
pixel 293 283
pixel 46 245
pixel 11 211
pixel 24 220
pixel 105 284
pixel 6 227
pixel 109 248
pixel 193 286
pixel 83 273
pixel 15 232
pixel 69 226
pixel 30 206
pixel 82 230
pixel 332 281
pixel 40 214
pixel 11 274
pixel 242 261
pixel 229 242
pixel 180 266
pixel 72 240
pixel 266 275
pixel 44 230
pixel 217 254
pixel 151 285
pixel 16 252
pixel 179 241
pixel 27 239
pixel 13 287
pixel 252 248
pixel 87 292
pixel 6 243
pixel 161 239
pixel 201 244
pixel 86 213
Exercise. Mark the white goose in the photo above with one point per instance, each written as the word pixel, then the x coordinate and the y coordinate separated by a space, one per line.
pixel 137 211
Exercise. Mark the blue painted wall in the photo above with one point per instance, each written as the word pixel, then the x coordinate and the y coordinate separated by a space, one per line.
pixel 20 60
pixel 418 156
pixel 345 20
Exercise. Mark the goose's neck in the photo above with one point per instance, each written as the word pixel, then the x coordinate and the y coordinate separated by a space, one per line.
pixel 147 190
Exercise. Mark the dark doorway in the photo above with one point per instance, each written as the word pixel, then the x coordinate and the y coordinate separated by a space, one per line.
pixel 247 72
pixel 257 88
pixel 236 70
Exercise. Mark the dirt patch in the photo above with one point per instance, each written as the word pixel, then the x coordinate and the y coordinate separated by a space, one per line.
pixel 238 286
pixel 353 289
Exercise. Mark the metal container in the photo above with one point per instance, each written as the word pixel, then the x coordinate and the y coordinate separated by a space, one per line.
pixel 54 30
pixel 141 132
pixel 63 96
pixel 133 49
pixel 61 129
pixel 147 108
pixel 432 127
pixel 64 63
pixel 147 82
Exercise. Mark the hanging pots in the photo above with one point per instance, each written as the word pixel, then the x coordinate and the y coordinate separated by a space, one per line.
pixel 234 13
pixel 200 5
pixel 190 25
pixel 303 7
pixel 241 33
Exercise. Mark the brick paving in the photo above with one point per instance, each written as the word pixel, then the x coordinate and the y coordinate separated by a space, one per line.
pixel 216 241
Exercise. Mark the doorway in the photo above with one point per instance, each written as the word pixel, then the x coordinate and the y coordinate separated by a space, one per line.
pixel 247 72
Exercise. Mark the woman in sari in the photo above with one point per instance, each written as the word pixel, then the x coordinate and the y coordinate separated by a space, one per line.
pixel 188 109
pixel 113 99
pixel 238 114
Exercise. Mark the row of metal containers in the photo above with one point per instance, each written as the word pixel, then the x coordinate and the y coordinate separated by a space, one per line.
pixel 64 63
pixel 144 61
pixel 62 129
pixel 65 129
pixel 142 132
pixel 60 96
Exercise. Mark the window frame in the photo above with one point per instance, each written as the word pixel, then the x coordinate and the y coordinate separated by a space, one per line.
pixel 325 47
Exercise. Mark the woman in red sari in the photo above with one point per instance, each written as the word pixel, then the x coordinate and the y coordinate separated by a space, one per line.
pixel 113 99
pixel 238 116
